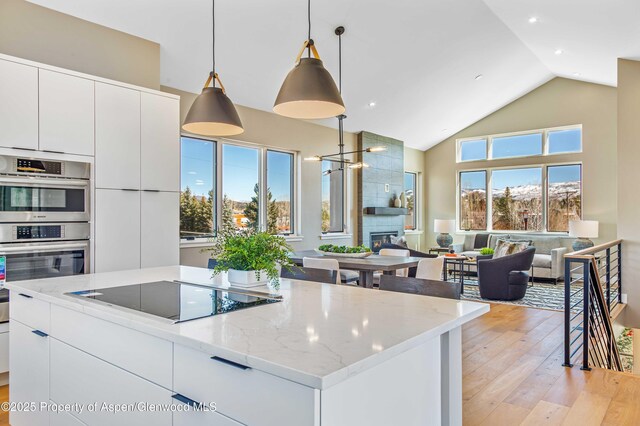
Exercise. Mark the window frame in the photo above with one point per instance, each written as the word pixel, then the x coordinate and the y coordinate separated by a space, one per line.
pixel 262 184
pixel 416 200
pixel 545 143
pixel 345 210
pixel 545 194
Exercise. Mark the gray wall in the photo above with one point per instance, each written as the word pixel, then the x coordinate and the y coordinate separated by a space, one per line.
pixel 386 168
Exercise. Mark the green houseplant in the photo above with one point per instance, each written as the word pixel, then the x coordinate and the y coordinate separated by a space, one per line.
pixel 487 251
pixel 251 258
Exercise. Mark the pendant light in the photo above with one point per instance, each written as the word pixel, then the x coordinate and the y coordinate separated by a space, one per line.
pixel 213 113
pixel 339 157
pixel 308 91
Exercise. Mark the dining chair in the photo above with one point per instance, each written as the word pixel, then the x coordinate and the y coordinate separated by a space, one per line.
pixel 400 253
pixel 327 264
pixel 309 274
pixel 430 269
pixel 434 288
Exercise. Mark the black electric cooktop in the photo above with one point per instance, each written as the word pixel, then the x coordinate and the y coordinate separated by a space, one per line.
pixel 177 301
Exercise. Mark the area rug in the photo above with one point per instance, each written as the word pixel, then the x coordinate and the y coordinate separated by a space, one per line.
pixel 539 295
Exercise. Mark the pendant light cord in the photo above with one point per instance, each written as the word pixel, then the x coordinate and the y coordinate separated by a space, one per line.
pixel 309 21
pixel 213 38
pixel 340 63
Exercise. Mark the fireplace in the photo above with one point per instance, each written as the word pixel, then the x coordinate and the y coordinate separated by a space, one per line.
pixel 379 238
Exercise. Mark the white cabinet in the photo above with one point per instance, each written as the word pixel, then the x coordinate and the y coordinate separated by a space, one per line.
pixel 18 105
pixel 200 418
pixel 29 358
pixel 117 137
pixel 160 229
pixel 66 113
pixel 160 143
pixel 62 418
pixel 80 378
pixel 117 230
pixel 4 347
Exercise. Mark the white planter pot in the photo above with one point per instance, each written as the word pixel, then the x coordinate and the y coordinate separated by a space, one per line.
pixel 247 278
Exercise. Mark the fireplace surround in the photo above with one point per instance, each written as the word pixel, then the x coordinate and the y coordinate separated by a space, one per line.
pixel 376 239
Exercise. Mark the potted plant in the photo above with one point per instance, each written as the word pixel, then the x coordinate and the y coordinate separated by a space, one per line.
pixel 485 253
pixel 251 258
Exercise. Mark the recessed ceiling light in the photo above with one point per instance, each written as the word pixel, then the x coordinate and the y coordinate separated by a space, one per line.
pixel 372 104
pixel 559 52
pixel 479 76
pixel 533 20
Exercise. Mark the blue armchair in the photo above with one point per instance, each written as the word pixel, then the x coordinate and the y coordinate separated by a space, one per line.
pixel 505 278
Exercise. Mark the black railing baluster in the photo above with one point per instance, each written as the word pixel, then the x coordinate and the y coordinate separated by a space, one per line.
pixel 608 265
pixel 620 272
pixel 567 313
pixel 585 309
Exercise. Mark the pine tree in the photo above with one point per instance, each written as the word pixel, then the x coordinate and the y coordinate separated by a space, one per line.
pixel 252 208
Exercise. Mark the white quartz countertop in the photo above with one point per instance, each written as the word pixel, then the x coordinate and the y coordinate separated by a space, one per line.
pixel 319 335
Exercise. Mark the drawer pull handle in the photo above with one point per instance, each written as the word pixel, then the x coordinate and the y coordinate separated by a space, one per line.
pixel 25 295
pixel 190 402
pixel 39 333
pixel 231 363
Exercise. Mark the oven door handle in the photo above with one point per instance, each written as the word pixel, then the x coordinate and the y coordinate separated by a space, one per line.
pixel 42 248
pixel 57 182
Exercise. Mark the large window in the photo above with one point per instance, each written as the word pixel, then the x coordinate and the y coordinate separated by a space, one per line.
pixel 410 196
pixel 256 188
pixel 533 143
pixel 564 196
pixel 518 198
pixel 240 187
pixel 473 200
pixel 280 167
pixel 197 189
pixel 332 197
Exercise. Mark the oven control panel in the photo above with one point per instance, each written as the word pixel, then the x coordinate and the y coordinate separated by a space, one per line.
pixel 38 232
pixel 27 165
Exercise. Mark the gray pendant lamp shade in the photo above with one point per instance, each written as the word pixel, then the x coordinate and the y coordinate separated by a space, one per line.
pixel 213 113
pixel 309 92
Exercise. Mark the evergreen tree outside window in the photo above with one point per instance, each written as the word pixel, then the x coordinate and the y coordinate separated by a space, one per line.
pixel 197 189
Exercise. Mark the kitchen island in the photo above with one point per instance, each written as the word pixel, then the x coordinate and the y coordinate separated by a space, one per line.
pixel 323 355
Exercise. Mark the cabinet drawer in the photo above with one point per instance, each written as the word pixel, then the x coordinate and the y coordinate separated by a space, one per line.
pixel 4 352
pixel 77 377
pixel 30 311
pixel 63 419
pixel 144 355
pixel 200 418
pixel 247 395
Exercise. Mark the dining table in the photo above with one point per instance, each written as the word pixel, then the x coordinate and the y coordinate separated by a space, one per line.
pixel 365 266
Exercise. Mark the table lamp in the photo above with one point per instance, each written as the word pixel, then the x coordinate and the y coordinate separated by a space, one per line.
pixel 583 230
pixel 444 227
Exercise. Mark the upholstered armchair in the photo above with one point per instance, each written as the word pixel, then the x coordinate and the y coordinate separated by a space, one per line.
pixel 505 278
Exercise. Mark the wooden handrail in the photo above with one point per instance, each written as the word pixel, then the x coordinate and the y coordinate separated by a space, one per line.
pixel 589 252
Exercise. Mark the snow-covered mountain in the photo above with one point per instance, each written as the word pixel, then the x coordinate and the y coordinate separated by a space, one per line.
pixel 526 192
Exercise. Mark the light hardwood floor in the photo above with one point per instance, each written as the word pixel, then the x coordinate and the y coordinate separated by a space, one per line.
pixel 512 375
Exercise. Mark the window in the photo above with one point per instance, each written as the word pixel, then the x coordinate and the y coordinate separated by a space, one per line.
pixel 197 189
pixel 410 196
pixel 256 188
pixel 544 142
pixel 516 146
pixel 516 199
pixel 564 141
pixel 332 197
pixel 564 196
pixel 280 192
pixel 473 200
pixel 473 150
pixel 240 187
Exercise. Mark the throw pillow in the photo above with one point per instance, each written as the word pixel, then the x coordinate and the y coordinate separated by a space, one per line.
pixel 506 248
pixel 399 241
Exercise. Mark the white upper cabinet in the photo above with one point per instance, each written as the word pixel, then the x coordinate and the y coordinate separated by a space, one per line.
pixel 117 137
pixel 160 139
pixel 160 229
pixel 18 105
pixel 66 113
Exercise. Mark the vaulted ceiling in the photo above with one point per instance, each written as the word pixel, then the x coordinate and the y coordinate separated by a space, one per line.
pixel 417 60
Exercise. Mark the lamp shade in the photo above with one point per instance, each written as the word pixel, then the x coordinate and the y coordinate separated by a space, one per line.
pixel 444 226
pixel 309 92
pixel 583 228
pixel 213 114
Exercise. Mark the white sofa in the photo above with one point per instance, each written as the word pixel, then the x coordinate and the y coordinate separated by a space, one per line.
pixel 548 262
